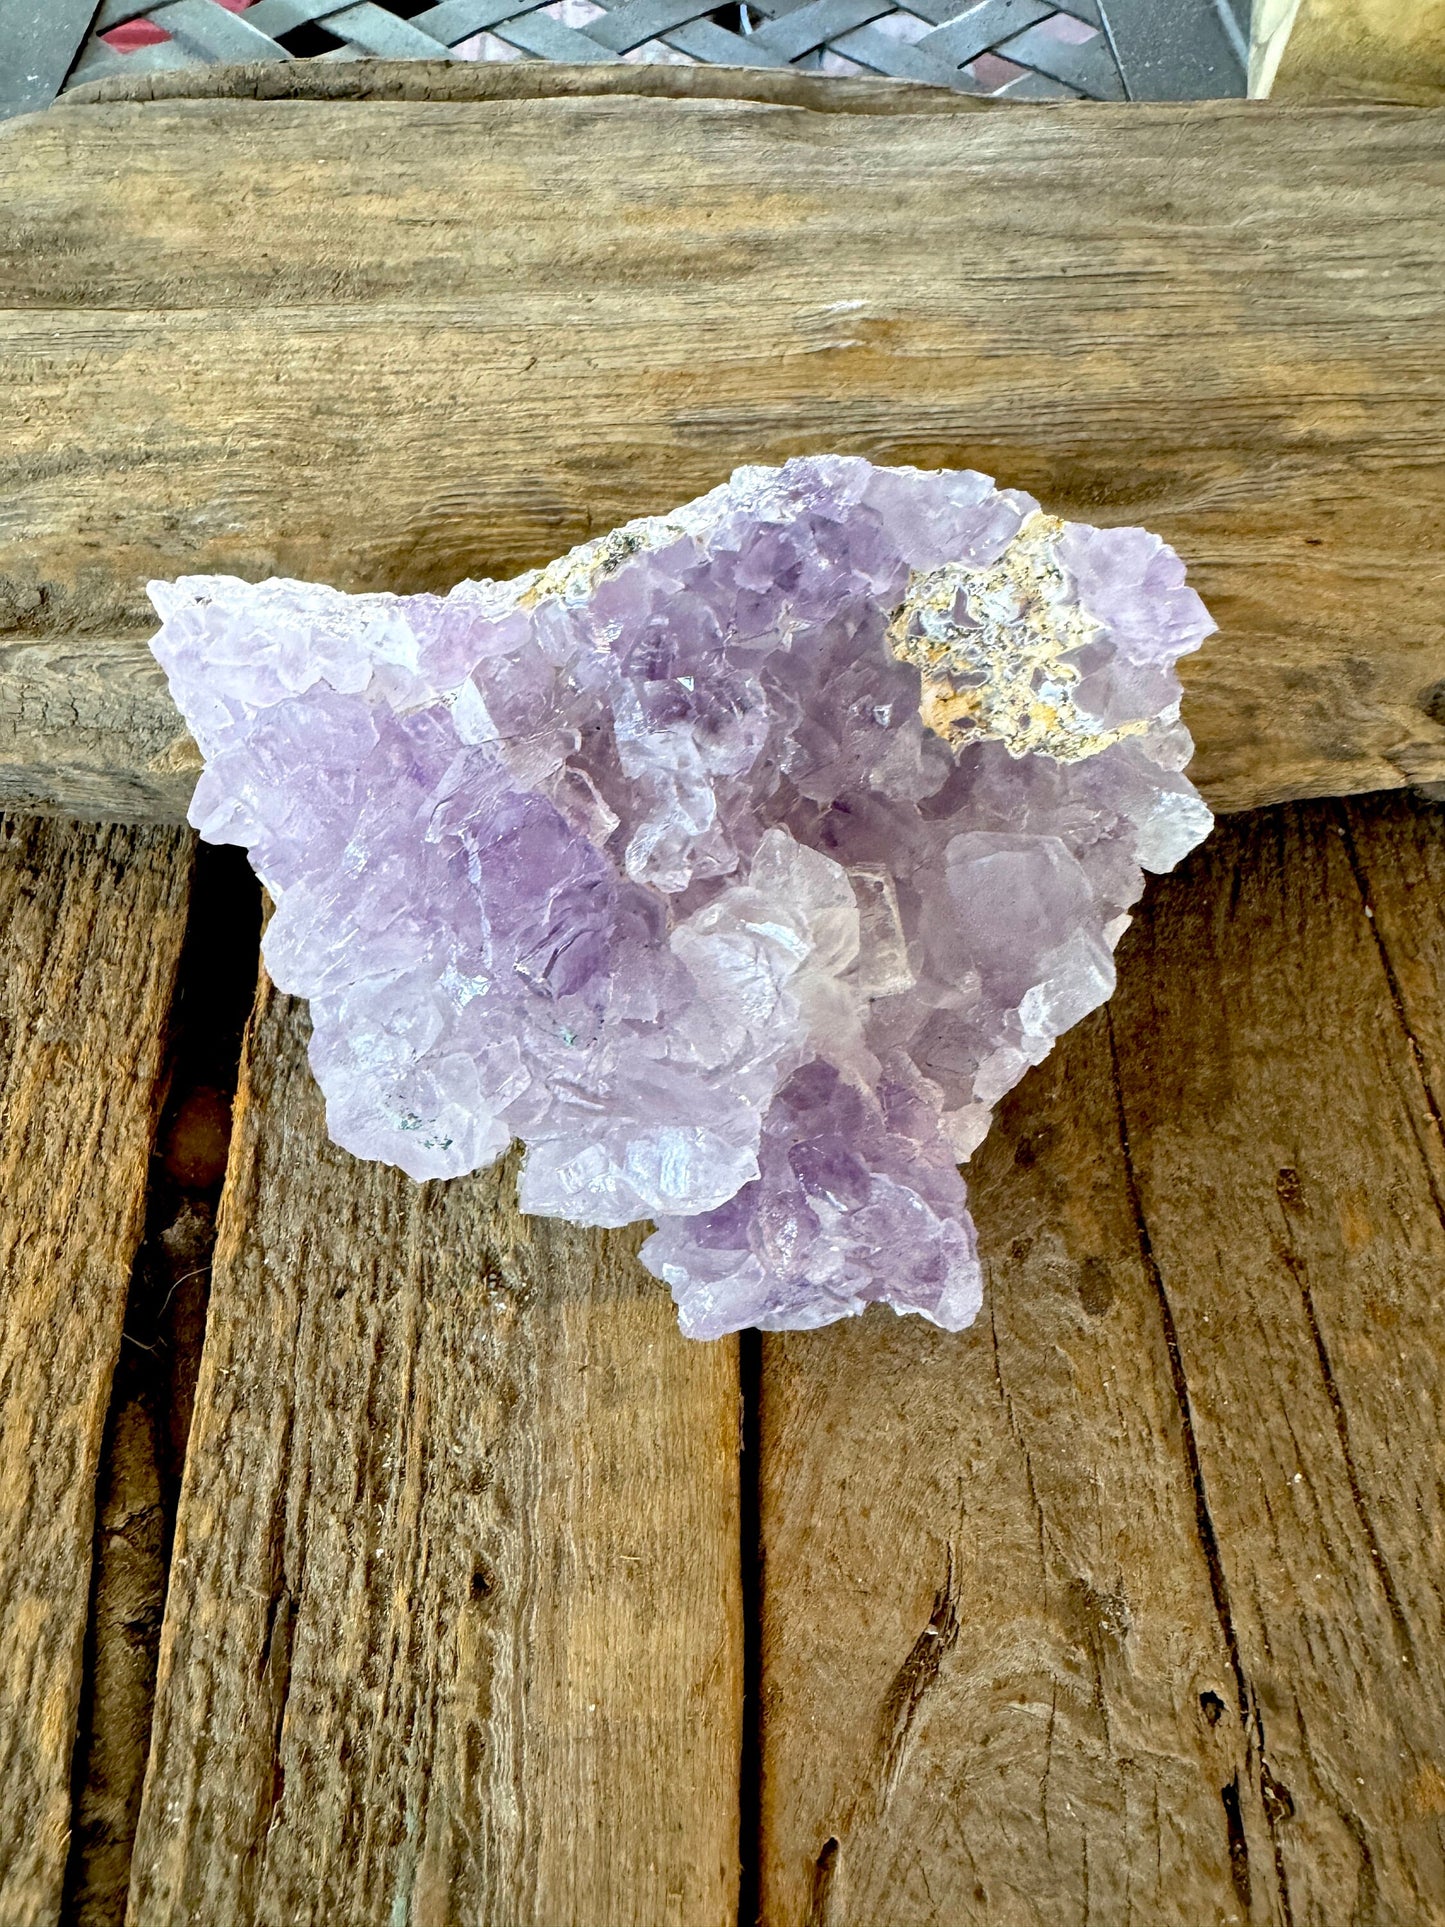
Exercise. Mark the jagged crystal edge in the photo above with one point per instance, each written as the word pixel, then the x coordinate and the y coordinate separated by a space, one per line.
pixel 650 859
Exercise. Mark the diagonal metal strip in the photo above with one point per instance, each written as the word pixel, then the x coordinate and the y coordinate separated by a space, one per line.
pixel 209 30
pixel 1087 65
pixel 901 60
pixel 383 35
pixel 982 27
pixel 276 17
pixel 115 13
pixel 40 46
pixel 994 19
pixel 791 31
pixel 548 39
pixel 100 62
pixel 934 62
pixel 716 46
pixel 794 34
pixel 639 21
pixel 704 40
pixel 456 20
pixel 1034 87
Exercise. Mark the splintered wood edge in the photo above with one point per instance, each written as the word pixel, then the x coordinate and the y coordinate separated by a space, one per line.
pixel 465 80
pixel 455 81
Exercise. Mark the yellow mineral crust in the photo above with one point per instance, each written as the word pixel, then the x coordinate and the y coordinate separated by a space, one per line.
pixel 1003 672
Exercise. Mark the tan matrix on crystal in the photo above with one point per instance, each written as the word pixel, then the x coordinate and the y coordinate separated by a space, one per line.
pixel 1005 673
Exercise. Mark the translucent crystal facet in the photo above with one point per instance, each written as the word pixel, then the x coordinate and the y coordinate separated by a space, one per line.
pixel 737 863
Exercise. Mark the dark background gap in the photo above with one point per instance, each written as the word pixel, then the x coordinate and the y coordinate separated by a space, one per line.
pixel 154 1391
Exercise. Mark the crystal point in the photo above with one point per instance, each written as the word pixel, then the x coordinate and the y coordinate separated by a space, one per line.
pixel 737 863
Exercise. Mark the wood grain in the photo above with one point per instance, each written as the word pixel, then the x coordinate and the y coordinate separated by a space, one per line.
pixel 1290 1176
pixel 88 729
pixel 91 922
pixel 1126 1606
pixel 453 1630
pixel 392 342
pixel 152 1390
pixel 989 1645
pixel 1398 854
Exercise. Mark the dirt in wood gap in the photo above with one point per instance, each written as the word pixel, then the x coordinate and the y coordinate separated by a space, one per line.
pixel 151 1401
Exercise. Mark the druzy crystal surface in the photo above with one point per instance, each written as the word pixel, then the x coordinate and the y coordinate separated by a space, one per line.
pixel 737 863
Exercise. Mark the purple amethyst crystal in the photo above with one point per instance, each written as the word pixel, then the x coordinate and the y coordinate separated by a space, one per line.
pixel 737 863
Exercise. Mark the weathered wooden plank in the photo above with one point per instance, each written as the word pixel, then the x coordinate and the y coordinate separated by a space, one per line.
pixel 152 1390
pixel 990 1652
pixel 443 80
pixel 91 922
pixel 88 729
pixel 391 343
pixel 453 1630
pixel 1126 1606
pixel 1290 1174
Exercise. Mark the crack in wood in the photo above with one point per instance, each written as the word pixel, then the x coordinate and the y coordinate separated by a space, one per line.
pixel 1238 1845
pixel 824 1869
pixel 154 1388
pixel 1397 999
pixel 1250 1715
pixel 916 1677
pixel 1299 1271
pixel 1204 1523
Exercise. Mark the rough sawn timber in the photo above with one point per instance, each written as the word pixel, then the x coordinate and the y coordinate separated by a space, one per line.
pixel 391 342
pixel 91 922
pixel 1126 1605
pixel 454 1630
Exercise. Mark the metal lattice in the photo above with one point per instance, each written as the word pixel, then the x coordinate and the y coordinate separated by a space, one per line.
pixel 1013 49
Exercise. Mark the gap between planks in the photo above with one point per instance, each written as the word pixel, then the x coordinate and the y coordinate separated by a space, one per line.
pixel 91 922
pixel 153 1392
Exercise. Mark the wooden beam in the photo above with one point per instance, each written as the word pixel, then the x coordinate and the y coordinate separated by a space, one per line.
pixel 391 342
pixel 983 1572
pixel 91 922
pixel 1126 1601
pixel 453 1630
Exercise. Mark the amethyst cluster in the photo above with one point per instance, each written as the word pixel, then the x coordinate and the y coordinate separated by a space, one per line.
pixel 737 863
